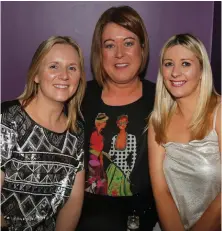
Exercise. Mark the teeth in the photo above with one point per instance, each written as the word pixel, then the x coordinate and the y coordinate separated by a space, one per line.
pixel 121 65
pixel 61 86
pixel 178 83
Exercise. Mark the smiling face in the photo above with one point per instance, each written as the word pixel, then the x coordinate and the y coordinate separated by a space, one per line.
pixel 59 74
pixel 121 53
pixel 181 72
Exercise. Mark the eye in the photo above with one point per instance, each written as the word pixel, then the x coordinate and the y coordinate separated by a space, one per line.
pixel 109 46
pixel 186 64
pixel 53 66
pixel 72 68
pixel 129 44
pixel 168 64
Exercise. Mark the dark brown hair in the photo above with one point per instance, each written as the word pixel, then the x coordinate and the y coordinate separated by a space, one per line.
pixel 128 18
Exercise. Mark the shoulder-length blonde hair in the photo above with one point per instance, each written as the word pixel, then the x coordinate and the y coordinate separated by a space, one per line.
pixel 128 18
pixel 165 104
pixel 31 88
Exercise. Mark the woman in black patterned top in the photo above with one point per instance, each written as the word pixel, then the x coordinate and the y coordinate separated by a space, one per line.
pixel 42 170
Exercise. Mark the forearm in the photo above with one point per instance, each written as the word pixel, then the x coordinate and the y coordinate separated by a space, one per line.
pixel 68 216
pixel 168 213
pixel 211 219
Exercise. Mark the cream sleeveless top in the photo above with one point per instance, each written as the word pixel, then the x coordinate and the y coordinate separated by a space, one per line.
pixel 192 172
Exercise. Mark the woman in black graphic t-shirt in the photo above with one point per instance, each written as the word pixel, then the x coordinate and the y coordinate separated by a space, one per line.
pixel 119 57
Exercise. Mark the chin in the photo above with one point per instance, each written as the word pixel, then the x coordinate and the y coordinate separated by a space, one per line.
pixel 61 99
pixel 122 80
pixel 178 95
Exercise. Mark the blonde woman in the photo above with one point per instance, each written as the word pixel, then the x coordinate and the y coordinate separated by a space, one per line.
pixel 42 172
pixel 184 139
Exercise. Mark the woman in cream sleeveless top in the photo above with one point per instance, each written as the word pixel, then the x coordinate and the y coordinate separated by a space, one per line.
pixel 184 139
pixel 193 174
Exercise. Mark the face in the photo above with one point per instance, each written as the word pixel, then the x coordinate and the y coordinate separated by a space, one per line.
pixel 121 53
pixel 59 74
pixel 122 123
pixel 181 72
pixel 100 125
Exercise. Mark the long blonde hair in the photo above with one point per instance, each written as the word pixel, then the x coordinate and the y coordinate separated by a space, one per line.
pixel 165 104
pixel 31 87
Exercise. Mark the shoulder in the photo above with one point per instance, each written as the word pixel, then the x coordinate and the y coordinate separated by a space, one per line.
pixel 148 83
pixel 218 115
pixel 218 122
pixel 80 126
pixel 92 90
pixel 7 105
pixel 92 94
pixel 92 85
pixel 9 111
pixel 149 88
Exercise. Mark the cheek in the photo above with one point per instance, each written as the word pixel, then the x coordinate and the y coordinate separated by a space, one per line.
pixel 46 76
pixel 166 73
pixel 192 73
pixel 75 78
pixel 106 56
pixel 135 53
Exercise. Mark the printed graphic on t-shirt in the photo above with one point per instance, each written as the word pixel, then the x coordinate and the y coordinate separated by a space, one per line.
pixel 113 180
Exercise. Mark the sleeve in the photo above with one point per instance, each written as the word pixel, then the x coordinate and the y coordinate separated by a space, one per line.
pixel 7 141
pixel 80 148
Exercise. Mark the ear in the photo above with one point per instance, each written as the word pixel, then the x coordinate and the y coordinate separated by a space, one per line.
pixel 36 79
pixel 201 76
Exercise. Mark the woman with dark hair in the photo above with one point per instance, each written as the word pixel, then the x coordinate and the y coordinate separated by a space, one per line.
pixel 119 58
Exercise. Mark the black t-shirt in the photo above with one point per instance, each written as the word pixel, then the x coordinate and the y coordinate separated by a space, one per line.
pixel 116 143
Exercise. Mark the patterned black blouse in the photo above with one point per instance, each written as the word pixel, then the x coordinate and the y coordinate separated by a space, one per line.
pixel 40 168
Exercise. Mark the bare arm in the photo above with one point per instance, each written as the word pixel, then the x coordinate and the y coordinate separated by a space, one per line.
pixel 167 210
pixel 2 179
pixel 68 216
pixel 211 218
pixel 3 223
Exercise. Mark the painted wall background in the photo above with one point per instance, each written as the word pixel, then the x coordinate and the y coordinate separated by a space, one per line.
pixel 24 25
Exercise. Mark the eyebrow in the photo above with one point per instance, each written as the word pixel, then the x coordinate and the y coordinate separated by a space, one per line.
pixel 180 59
pixel 112 40
pixel 56 62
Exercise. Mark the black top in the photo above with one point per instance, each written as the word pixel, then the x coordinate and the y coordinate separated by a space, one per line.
pixel 116 144
pixel 40 168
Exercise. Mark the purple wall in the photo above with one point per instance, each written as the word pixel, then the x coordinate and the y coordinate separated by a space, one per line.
pixel 26 24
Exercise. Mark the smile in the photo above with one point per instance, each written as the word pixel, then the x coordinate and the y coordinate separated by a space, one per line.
pixel 60 86
pixel 121 65
pixel 177 83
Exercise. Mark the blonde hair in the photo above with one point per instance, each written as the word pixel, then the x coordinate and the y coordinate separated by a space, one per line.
pixel 165 104
pixel 128 18
pixel 31 87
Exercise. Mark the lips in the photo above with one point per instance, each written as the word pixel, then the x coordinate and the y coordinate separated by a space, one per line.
pixel 121 65
pixel 61 86
pixel 177 83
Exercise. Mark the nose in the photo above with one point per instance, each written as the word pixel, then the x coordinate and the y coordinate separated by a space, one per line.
pixel 64 75
pixel 119 51
pixel 176 71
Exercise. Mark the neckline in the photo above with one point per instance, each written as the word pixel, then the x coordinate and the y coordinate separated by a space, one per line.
pixel 125 105
pixel 39 125
pixel 192 141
